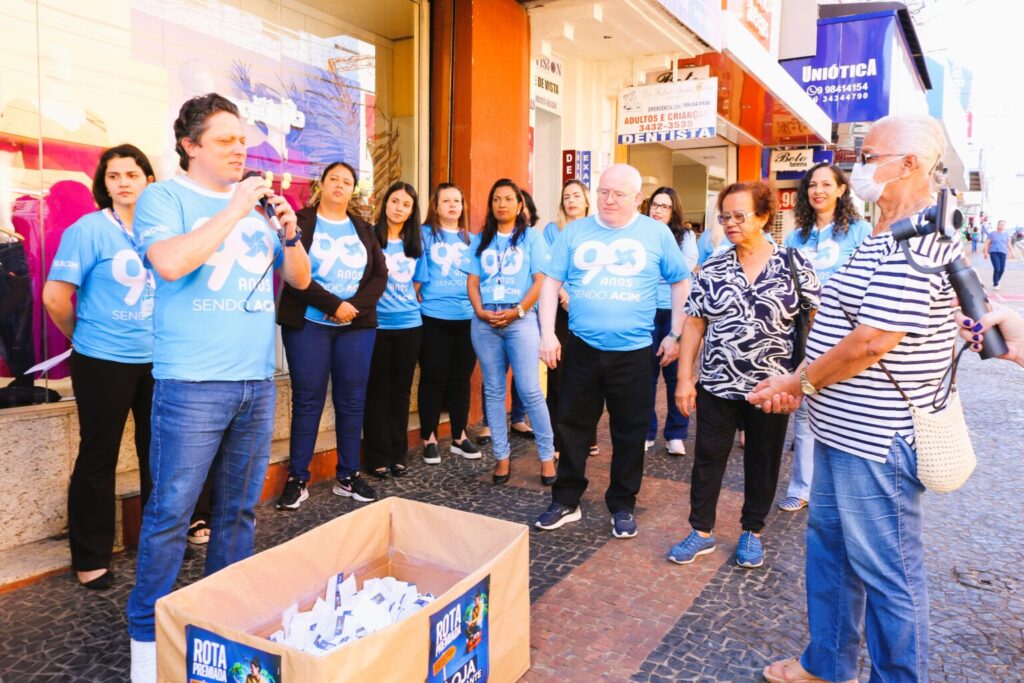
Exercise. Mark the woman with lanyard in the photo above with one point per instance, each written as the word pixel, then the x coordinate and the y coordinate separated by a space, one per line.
pixel 743 306
pixel 504 282
pixel 446 358
pixel 575 204
pixel 111 332
pixel 666 206
pixel 519 425
pixel 399 333
pixel 328 330
pixel 829 229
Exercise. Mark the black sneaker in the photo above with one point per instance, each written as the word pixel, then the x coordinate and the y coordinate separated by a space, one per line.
pixel 466 449
pixel 431 455
pixel 294 493
pixel 355 487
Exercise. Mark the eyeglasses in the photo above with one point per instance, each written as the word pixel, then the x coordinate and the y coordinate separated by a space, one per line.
pixel 738 217
pixel 870 158
pixel 619 197
pixel 661 207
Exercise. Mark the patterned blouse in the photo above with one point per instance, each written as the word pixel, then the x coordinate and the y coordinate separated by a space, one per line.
pixel 751 328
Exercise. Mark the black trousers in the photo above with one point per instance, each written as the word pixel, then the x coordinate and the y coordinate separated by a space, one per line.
pixel 386 418
pixel 591 378
pixel 555 378
pixel 16 341
pixel 447 360
pixel 716 428
pixel 105 391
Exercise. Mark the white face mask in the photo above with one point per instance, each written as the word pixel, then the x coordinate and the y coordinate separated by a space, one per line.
pixel 863 183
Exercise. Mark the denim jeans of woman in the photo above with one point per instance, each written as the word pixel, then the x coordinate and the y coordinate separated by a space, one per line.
pixel 518 346
pixel 676 424
pixel 865 564
pixel 803 455
pixel 315 354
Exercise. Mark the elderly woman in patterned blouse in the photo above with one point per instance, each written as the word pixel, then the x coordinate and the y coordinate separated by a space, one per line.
pixel 743 306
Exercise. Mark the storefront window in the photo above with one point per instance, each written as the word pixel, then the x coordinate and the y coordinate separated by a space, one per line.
pixel 316 82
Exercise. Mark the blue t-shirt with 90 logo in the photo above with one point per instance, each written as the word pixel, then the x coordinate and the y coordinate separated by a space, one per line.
pixel 338 260
pixel 444 292
pixel 203 325
pixel 114 315
pixel 612 277
pixel 505 271
pixel 398 308
pixel 827 252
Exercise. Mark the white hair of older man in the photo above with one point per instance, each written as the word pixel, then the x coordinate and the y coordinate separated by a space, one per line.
pixel 920 135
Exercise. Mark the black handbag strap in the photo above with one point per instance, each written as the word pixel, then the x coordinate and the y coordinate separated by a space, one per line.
pixel 796 278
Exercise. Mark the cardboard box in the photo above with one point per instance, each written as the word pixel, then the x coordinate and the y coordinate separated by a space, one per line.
pixel 477 630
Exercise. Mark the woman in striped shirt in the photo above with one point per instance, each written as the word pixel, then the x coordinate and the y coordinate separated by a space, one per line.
pixel 865 556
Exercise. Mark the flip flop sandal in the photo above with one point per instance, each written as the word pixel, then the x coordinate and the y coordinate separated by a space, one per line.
pixel 194 536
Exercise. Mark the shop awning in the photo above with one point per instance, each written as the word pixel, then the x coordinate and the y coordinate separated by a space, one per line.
pixel 791 104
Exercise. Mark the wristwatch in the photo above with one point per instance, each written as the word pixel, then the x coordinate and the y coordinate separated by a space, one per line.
pixel 519 309
pixel 294 240
pixel 805 384
pixel 675 337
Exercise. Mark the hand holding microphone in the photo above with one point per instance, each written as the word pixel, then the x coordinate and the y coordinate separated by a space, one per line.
pixel 276 208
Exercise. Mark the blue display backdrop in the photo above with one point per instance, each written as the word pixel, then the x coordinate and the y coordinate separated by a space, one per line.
pixel 850 77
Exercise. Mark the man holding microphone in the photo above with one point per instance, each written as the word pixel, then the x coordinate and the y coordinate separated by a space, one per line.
pixel 213 402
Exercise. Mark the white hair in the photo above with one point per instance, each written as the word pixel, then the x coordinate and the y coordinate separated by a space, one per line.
pixel 917 134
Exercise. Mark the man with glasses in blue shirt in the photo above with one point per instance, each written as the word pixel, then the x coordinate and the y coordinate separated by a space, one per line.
pixel 610 265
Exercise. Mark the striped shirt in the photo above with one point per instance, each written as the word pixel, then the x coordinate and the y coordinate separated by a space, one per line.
pixel 879 288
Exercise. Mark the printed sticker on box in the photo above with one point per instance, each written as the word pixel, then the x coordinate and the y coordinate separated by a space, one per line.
pixel 211 658
pixel 459 638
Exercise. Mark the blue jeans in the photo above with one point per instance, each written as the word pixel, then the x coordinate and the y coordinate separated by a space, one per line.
pixel 220 428
pixel 676 424
pixel 518 409
pixel 864 549
pixel 518 346
pixel 315 354
pixel 998 266
pixel 803 456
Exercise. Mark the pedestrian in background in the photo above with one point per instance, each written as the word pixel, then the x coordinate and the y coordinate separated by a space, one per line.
pixel 328 330
pixel 743 307
pixel 828 230
pixel 666 207
pixel 611 264
pixel 111 331
pixel 447 358
pixel 865 552
pixel 504 280
pixel 399 333
pixel 997 248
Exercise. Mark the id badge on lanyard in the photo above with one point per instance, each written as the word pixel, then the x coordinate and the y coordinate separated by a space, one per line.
pixel 148 297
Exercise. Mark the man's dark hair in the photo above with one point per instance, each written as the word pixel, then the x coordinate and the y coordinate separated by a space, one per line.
pixel 99 183
pixel 192 118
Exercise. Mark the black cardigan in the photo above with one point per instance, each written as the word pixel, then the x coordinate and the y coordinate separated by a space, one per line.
pixel 291 310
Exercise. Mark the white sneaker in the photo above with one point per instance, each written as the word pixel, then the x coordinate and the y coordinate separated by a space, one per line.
pixel 647 445
pixel 995 288
pixel 676 447
pixel 143 662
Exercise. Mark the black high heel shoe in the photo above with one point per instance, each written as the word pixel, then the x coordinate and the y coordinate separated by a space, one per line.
pixel 548 481
pixel 500 479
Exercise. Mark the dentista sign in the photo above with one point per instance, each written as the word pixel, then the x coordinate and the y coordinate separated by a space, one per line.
pixel 663 112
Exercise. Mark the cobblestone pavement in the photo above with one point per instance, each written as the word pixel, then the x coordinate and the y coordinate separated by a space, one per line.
pixel 615 610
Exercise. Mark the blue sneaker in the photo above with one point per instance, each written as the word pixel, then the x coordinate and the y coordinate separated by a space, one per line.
pixel 623 524
pixel 750 553
pixel 688 549
pixel 557 515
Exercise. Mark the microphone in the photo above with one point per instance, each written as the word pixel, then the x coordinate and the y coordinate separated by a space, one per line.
pixel 268 209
